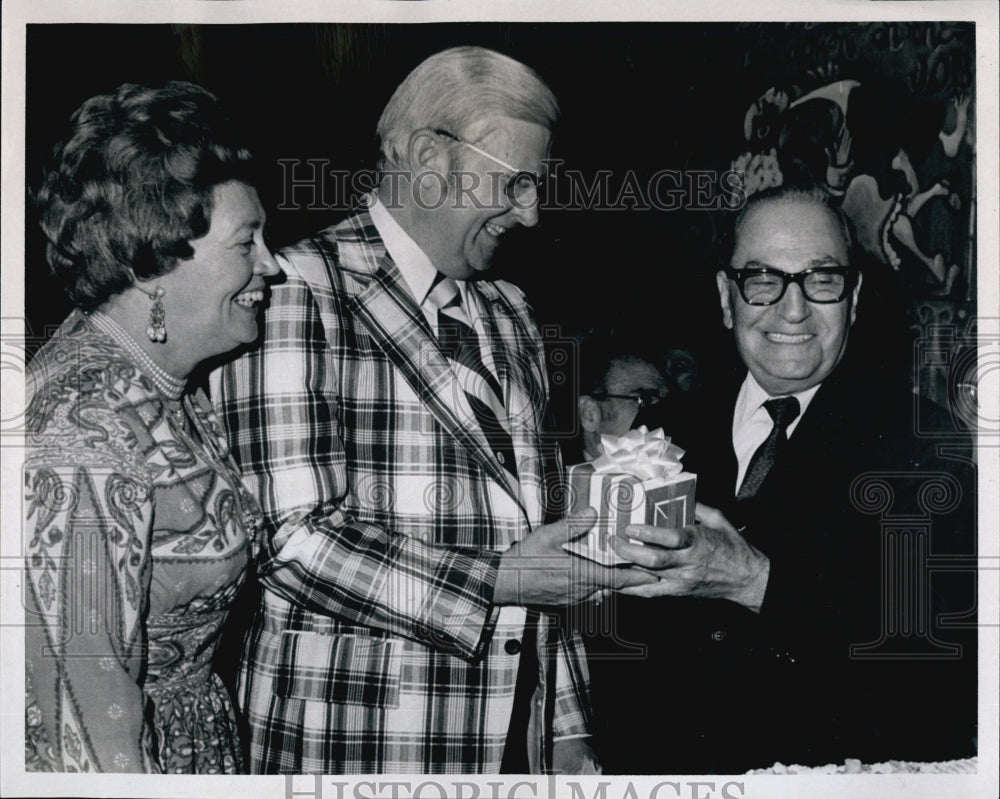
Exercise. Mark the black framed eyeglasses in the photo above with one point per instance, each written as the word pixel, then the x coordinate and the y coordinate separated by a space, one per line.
pixel 763 285
pixel 644 397
pixel 523 188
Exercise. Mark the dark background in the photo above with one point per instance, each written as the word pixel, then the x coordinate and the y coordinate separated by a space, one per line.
pixel 641 97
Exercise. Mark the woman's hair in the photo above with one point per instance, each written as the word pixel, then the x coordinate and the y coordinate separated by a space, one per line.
pixel 132 184
pixel 457 87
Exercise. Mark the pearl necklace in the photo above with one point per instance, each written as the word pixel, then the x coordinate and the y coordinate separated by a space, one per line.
pixel 172 388
pixel 168 385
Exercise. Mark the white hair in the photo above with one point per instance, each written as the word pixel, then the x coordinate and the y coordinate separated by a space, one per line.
pixel 456 88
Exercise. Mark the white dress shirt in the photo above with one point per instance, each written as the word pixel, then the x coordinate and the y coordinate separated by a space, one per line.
pixel 419 272
pixel 752 424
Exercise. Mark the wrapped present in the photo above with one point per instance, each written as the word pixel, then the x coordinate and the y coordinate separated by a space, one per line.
pixel 638 480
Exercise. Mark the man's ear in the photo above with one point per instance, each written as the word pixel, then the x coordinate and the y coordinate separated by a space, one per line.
pixel 426 152
pixel 725 298
pixel 430 165
pixel 854 298
pixel 590 413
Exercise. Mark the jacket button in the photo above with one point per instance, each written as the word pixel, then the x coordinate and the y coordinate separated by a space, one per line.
pixel 500 458
pixel 512 647
pixel 719 635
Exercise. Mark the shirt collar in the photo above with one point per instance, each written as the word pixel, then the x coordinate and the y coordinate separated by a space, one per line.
pixel 752 398
pixel 416 268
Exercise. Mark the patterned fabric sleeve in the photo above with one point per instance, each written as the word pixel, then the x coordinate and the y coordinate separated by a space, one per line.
pixel 279 406
pixel 572 713
pixel 87 543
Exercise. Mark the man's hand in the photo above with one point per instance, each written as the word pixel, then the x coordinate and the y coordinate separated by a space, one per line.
pixel 538 571
pixel 709 559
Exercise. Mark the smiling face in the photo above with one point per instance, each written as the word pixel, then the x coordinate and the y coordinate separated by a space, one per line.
pixel 462 234
pixel 794 344
pixel 212 299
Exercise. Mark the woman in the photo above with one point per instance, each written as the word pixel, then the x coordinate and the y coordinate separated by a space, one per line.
pixel 137 527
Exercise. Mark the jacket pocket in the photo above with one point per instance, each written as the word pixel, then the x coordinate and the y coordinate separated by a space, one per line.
pixel 349 669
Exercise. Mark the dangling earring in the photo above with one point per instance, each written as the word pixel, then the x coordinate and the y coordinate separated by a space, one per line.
pixel 157 329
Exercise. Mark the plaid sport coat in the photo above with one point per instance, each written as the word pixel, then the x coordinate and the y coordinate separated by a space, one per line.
pixel 377 648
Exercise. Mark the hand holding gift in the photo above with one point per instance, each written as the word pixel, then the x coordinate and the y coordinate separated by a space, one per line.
pixel 639 480
pixel 709 559
pixel 537 571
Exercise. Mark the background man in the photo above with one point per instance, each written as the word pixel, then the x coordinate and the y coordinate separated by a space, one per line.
pixel 616 382
pixel 816 633
pixel 390 424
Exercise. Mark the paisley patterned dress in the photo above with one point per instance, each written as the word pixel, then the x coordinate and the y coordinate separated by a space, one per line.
pixel 137 534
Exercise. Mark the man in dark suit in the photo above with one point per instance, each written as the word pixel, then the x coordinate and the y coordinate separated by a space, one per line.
pixel 815 627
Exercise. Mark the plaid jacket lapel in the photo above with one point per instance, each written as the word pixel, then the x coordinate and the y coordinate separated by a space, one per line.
pixel 391 316
pixel 504 341
pixel 517 363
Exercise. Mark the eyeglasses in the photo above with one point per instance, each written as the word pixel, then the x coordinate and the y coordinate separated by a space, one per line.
pixel 766 286
pixel 523 187
pixel 642 396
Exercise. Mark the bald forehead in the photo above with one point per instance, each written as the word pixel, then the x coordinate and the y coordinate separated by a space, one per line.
pixel 789 231
pixel 784 208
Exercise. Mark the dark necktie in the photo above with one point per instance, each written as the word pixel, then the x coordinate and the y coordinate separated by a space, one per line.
pixel 460 343
pixel 783 412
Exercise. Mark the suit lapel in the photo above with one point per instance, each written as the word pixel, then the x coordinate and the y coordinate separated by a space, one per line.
pixel 389 313
pixel 729 467
pixel 521 376
pixel 502 339
pixel 711 455
pixel 814 453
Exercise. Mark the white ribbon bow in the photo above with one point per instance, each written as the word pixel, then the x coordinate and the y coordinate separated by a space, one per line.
pixel 645 454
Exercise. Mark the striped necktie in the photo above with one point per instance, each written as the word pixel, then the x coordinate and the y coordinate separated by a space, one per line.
pixel 459 341
pixel 783 411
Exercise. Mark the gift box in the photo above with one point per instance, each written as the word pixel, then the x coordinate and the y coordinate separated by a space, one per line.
pixel 638 480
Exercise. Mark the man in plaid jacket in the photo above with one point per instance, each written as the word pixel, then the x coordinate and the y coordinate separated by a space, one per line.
pixel 405 532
